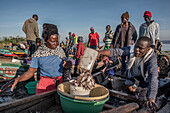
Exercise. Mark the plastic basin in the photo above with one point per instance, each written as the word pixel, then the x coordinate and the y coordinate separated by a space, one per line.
pixel 70 105
pixel 78 104
pixel 31 87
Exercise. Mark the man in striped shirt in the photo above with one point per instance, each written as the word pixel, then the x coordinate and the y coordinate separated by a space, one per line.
pixel 108 37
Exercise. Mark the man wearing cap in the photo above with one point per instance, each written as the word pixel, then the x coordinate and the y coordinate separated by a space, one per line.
pixel 79 54
pixel 73 48
pixel 80 47
pixel 125 35
pixel 93 39
pixel 150 29
pixel 74 38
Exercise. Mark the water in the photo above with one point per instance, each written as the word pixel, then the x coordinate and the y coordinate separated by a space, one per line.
pixel 165 46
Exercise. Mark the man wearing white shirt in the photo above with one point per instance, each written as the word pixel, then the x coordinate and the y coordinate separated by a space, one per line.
pixel 150 29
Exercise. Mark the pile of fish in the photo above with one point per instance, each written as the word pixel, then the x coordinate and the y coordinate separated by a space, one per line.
pixel 84 80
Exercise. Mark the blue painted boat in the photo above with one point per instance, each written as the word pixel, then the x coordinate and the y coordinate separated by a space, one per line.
pixel 9 70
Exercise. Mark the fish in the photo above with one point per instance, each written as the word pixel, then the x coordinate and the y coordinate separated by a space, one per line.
pixel 84 80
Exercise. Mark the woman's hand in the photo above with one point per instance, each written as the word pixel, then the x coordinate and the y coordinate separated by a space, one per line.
pixel 27 75
pixel 14 84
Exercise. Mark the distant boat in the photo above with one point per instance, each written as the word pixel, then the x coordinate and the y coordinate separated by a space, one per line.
pixel 9 70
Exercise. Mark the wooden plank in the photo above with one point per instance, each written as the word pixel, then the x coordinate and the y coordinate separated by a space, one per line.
pixel 165 109
pixel 54 109
pixel 123 109
pixel 27 102
pixel 124 96
pixel 39 105
pixel 108 106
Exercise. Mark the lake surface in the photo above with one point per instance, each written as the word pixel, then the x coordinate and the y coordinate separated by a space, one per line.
pixel 165 46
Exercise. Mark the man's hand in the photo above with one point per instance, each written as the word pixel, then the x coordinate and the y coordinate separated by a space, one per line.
pixel 64 63
pixel 132 89
pixel 150 103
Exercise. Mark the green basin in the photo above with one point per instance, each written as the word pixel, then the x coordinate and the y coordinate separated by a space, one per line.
pixel 31 87
pixel 70 105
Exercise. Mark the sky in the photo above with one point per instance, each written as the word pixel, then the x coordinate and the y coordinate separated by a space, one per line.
pixel 77 16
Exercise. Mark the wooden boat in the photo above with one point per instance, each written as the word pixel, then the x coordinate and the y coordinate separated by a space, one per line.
pixel 5 52
pixel 36 103
pixel 49 102
pixel 18 53
pixel 9 70
pixel 6 58
pixel 13 53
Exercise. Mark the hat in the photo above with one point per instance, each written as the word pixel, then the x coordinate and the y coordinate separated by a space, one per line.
pixel 125 15
pixel 48 30
pixel 80 38
pixel 73 34
pixel 91 28
pixel 148 13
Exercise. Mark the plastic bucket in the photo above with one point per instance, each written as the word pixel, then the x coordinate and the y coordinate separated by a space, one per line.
pixel 31 87
pixel 70 105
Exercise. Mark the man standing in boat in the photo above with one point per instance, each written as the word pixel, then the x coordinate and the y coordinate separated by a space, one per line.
pixel 49 58
pixel 30 28
pixel 93 39
pixel 108 37
pixel 125 35
pixel 70 40
pixel 79 53
pixel 150 29
pixel 142 67
pixel 74 49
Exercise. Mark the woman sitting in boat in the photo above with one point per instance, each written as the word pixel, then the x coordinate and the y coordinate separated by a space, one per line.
pixel 49 58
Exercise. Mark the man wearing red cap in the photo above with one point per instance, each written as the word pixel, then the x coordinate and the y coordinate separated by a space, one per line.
pixel 93 39
pixel 150 29
pixel 74 49
pixel 74 38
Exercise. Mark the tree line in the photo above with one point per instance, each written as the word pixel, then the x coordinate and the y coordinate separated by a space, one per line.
pixel 6 40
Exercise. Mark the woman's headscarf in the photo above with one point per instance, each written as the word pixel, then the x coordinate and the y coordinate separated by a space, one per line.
pixel 48 30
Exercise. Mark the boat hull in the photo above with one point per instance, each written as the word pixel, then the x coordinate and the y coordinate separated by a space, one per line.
pixel 9 70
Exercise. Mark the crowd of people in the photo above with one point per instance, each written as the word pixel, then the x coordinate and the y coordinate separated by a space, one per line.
pixel 138 57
